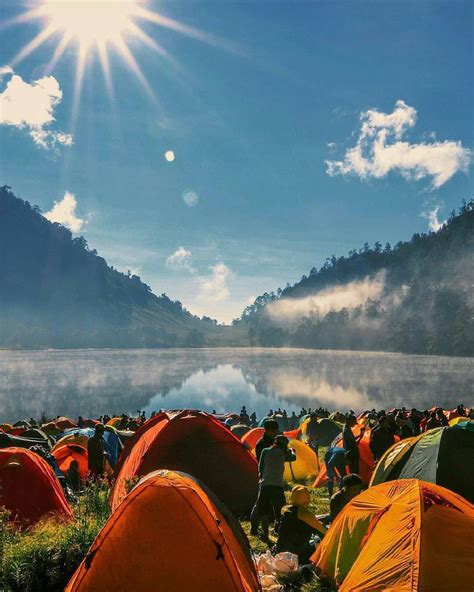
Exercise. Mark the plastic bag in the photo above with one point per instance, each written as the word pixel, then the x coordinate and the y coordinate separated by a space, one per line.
pixel 282 563
pixel 270 584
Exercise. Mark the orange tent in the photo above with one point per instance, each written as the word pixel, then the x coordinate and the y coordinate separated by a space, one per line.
pixel 6 427
pixel 252 437
pixel 169 534
pixel 65 454
pixel 194 442
pixel 29 488
pixel 64 423
pixel 366 458
pixel 405 535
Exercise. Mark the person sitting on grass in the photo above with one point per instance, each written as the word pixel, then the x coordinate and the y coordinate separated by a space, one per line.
pixel 351 486
pixel 73 476
pixel 271 494
pixel 298 525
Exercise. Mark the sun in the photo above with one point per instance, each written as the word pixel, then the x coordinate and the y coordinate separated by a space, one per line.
pixel 90 21
pixel 99 26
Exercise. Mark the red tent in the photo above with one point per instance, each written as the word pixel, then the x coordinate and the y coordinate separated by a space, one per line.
pixel 29 488
pixel 196 443
pixel 65 454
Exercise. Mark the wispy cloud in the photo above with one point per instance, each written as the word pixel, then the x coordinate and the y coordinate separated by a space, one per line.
pixel 290 311
pixel 214 287
pixel 181 259
pixel 31 107
pixel 380 150
pixel 64 212
pixel 434 222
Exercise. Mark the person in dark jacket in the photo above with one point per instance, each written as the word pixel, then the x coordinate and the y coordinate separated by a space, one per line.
pixel 381 438
pixel 271 430
pixel 271 494
pixel 349 442
pixel 298 525
pixel 404 430
pixel 95 452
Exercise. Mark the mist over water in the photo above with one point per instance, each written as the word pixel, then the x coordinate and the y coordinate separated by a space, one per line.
pixel 92 382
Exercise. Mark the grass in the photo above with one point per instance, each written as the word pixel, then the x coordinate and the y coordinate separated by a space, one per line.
pixel 43 558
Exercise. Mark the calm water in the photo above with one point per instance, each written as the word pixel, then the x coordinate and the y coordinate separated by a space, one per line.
pixel 91 382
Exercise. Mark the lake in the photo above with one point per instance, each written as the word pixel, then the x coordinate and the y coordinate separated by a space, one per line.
pixel 92 382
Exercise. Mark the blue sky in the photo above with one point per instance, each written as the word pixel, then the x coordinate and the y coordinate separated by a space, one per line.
pixel 252 120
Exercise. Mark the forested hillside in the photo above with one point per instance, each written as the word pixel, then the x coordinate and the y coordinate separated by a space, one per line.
pixel 414 297
pixel 57 292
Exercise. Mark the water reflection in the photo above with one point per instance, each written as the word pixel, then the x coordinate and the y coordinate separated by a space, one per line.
pixel 91 382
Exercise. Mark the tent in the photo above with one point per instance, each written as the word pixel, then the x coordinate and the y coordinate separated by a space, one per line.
pixel 6 427
pixel 112 443
pixel 328 430
pixel 64 423
pixel 196 443
pixel 251 438
pixel 170 534
pixel 366 458
pixel 239 430
pixel 28 487
pixel 306 464
pixel 66 453
pixel 9 441
pixel 442 455
pixel 406 535
pixel 281 421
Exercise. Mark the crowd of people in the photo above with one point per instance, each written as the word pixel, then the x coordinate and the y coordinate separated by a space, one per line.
pixel 295 527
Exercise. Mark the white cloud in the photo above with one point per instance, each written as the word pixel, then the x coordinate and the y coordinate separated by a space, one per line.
pixel 433 221
pixel 191 199
pixel 289 311
pixel 380 149
pixel 64 212
pixel 214 287
pixel 31 107
pixel 180 259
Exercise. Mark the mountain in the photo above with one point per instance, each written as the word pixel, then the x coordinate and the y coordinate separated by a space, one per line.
pixel 56 292
pixel 415 297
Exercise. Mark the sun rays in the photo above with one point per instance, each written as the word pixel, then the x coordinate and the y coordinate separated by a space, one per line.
pixel 99 26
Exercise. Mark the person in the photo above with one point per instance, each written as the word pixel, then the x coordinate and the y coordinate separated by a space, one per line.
pixel 313 432
pixel 73 476
pixel 335 460
pixel 415 417
pixel 351 486
pixel 95 452
pixel 433 421
pixel 298 525
pixel 349 442
pixel 404 429
pixel 293 421
pixel 443 420
pixel 424 421
pixel 271 494
pixel 381 438
pixel 270 427
pixel 253 419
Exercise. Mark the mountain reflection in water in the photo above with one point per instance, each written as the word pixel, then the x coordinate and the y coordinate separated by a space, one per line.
pixel 92 382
